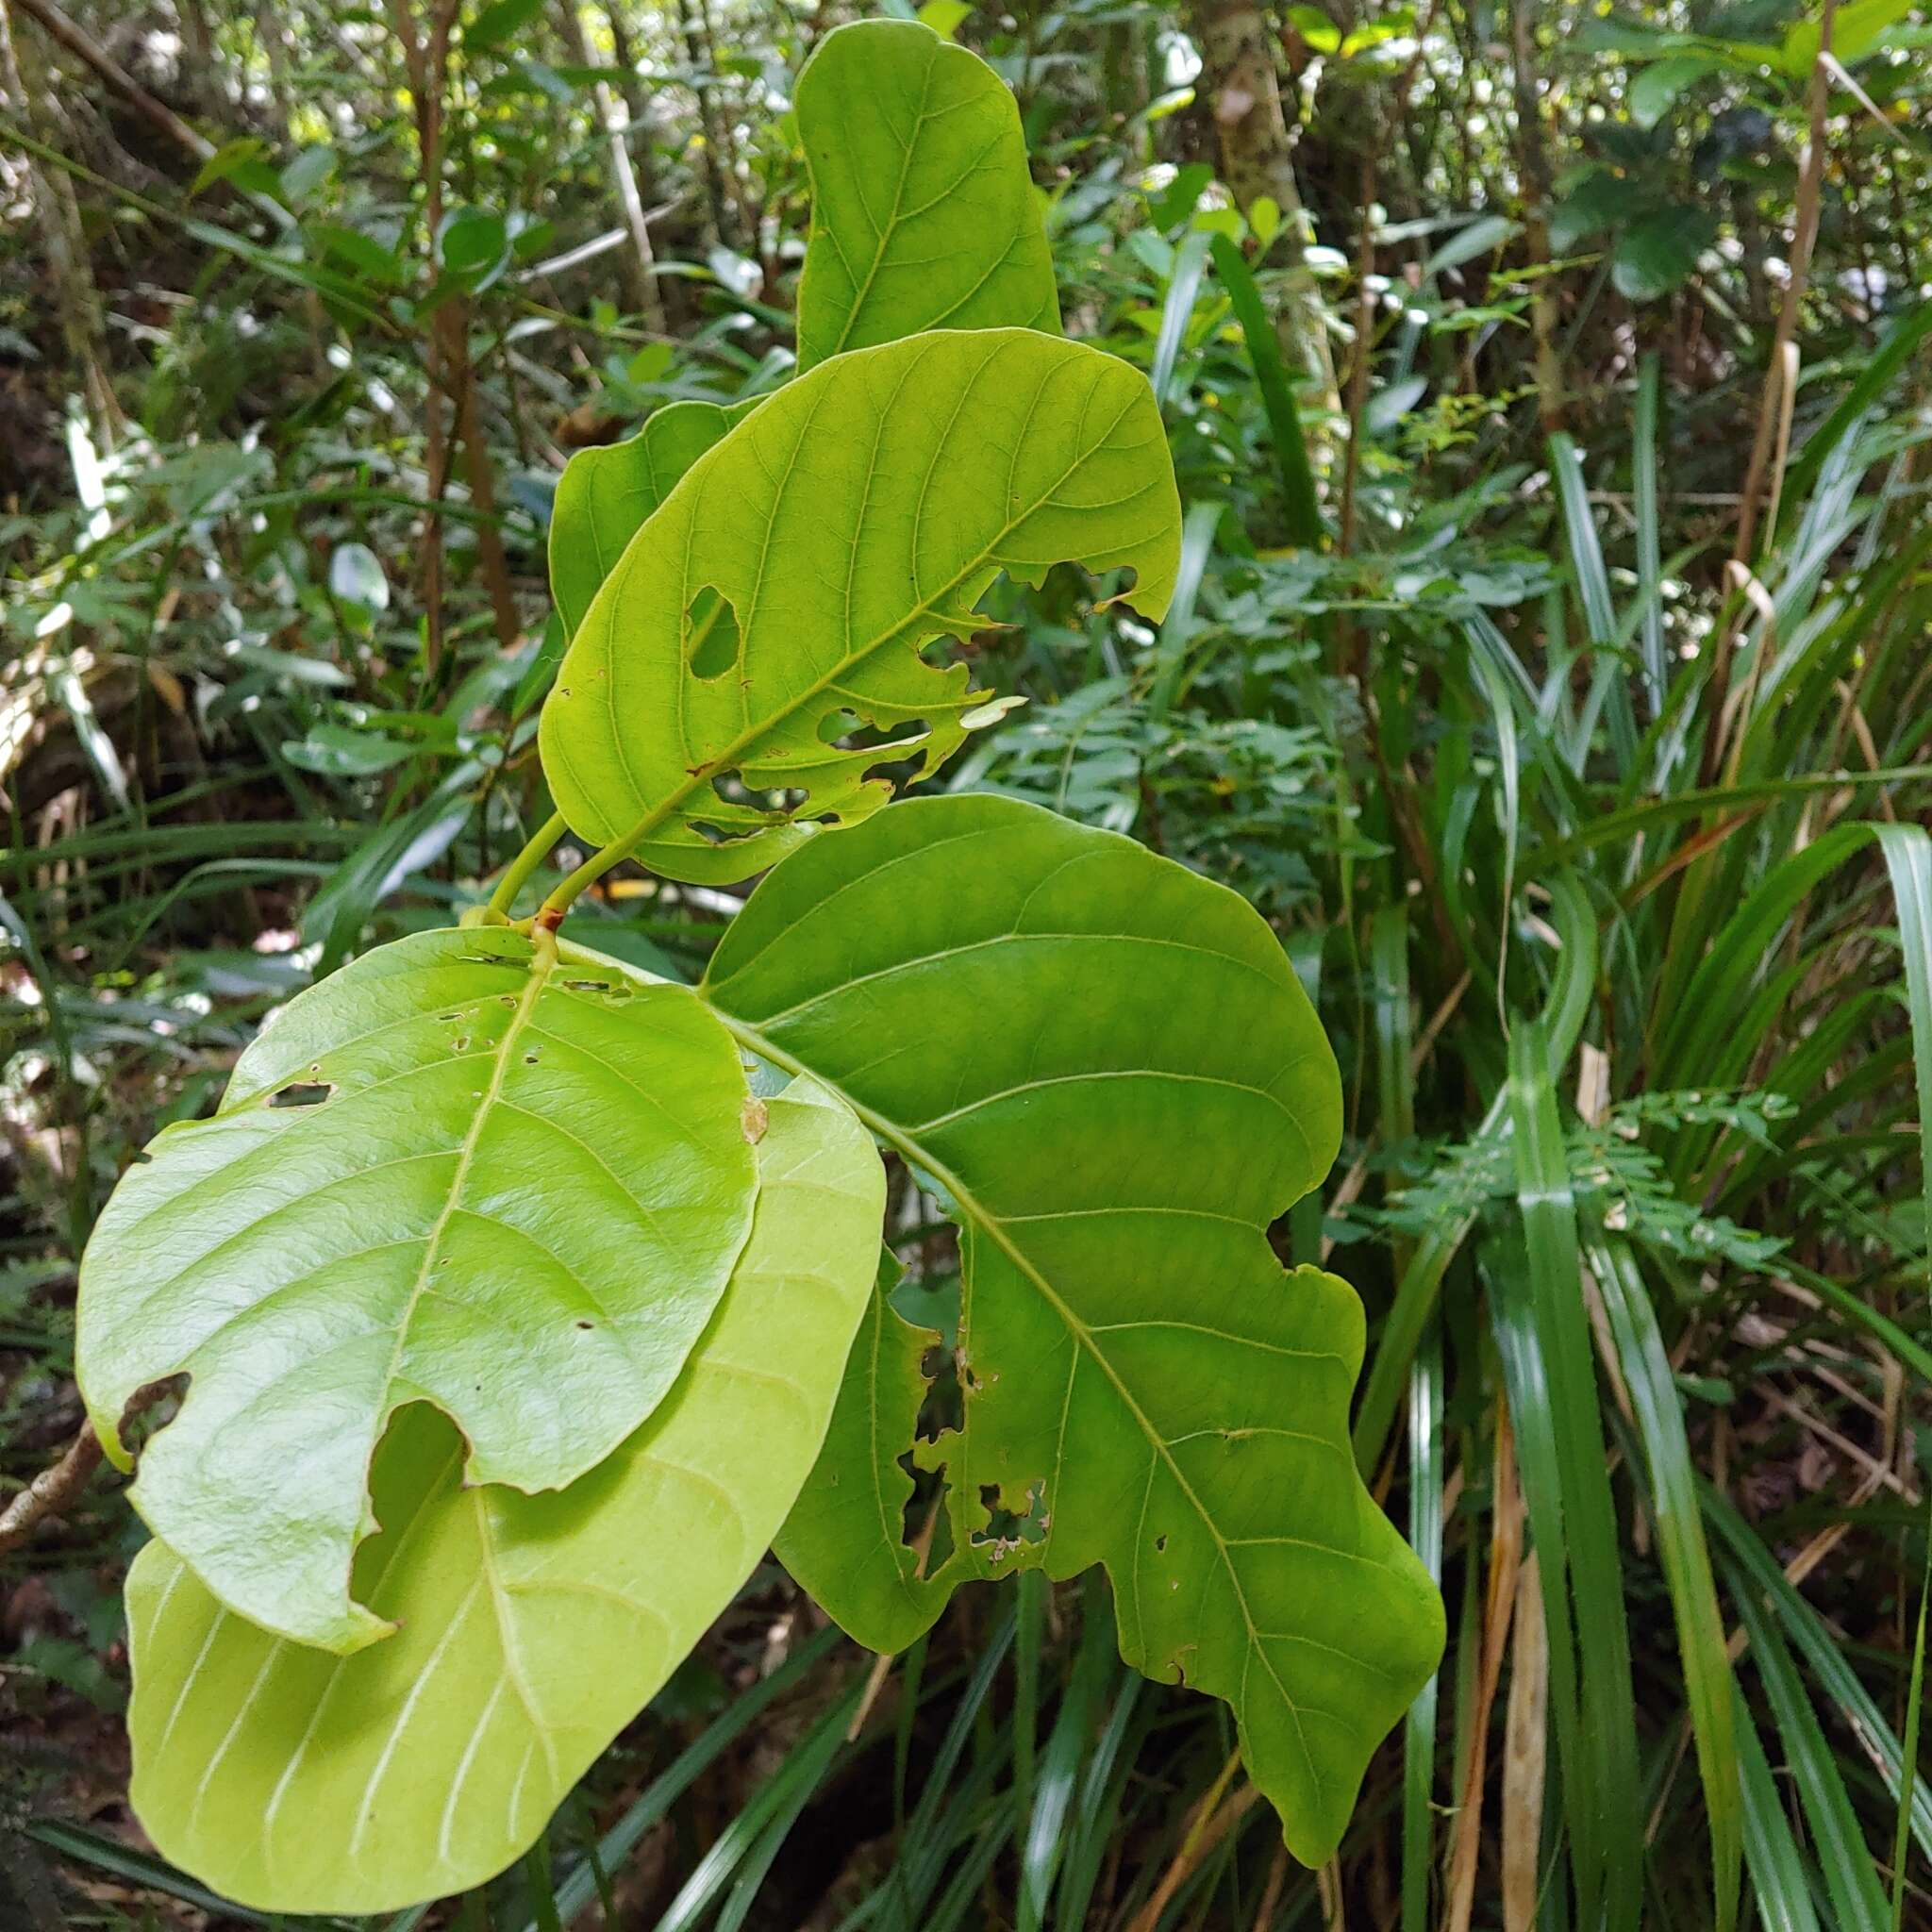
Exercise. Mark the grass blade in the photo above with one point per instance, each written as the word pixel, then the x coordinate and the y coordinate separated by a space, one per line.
pixel 1778 1881
pixel 579 1888
pixel 1425 1432
pixel 1571 1508
pixel 1646 1371
pixel 1302 513
pixel 1656 672
pixel 1851 1880
pixel 1177 311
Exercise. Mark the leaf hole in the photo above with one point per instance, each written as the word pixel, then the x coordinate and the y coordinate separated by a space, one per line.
pixel 779 800
pixel 711 640
pixel 1160 1543
pixel 302 1094
pixel 529 1059
pixel 587 1325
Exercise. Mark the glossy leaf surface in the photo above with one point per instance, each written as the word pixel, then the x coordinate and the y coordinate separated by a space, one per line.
pixel 1106 1065
pixel 531 1628
pixel 507 1182
pixel 788 588
pixel 924 213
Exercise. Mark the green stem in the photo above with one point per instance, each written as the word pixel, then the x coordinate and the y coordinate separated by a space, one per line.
pixel 525 863
pixel 550 913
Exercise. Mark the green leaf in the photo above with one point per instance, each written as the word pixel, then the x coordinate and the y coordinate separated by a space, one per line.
pixel 1858 32
pixel 923 214
pixel 1851 1877
pixel 1106 1067
pixel 1301 507
pixel 359 251
pixel 1544 1334
pixel 473 245
pixel 1482 236
pixel 465 1171
pixel 1316 28
pixel 604 495
pixel 228 160
pixel 1658 252
pixel 1597 202
pixel 356 581
pixel 1658 85
pixel 844 1540
pixel 944 17
pixel 792 580
pixel 530 1629
pixel 300 179
pixel 1709 1689
pixel 499 22
pixel 345 751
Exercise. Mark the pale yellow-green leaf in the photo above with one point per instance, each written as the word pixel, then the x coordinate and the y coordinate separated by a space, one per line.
pixel 924 213
pixel 500 1177
pixel 530 1629
pixel 791 586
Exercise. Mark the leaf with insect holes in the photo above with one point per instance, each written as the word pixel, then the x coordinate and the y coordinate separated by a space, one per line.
pixel 531 1629
pixel 604 495
pixel 500 1177
pixel 886 110
pixel 1107 1071
pixel 778 609
pixel 924 213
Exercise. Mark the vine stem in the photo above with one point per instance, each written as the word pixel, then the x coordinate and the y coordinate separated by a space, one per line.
pixel 524 864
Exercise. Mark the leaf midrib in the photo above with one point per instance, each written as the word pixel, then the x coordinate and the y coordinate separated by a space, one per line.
pixel 543 963
pixel 885 234
pixel 983 1218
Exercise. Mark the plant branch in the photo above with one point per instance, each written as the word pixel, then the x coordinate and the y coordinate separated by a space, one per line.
pixel 56 1489
pixel 526 861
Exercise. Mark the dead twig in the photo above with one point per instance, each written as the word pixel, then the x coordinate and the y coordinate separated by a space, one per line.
pixel 56 1490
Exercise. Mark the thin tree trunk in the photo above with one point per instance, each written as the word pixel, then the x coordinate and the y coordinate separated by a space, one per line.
pixel 205 75
pixel 425 66
pixel 70 273
pixel 720 151
pixel 613 115
pixel 1238 53
pixel 1780 382
pixel 271 35
pixel 1533 158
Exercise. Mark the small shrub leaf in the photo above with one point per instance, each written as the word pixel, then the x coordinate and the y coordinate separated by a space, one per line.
pixel 509 1181
pixel 1106 1067
pixel 531 1628
pixel 846 525
pixel 923 214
